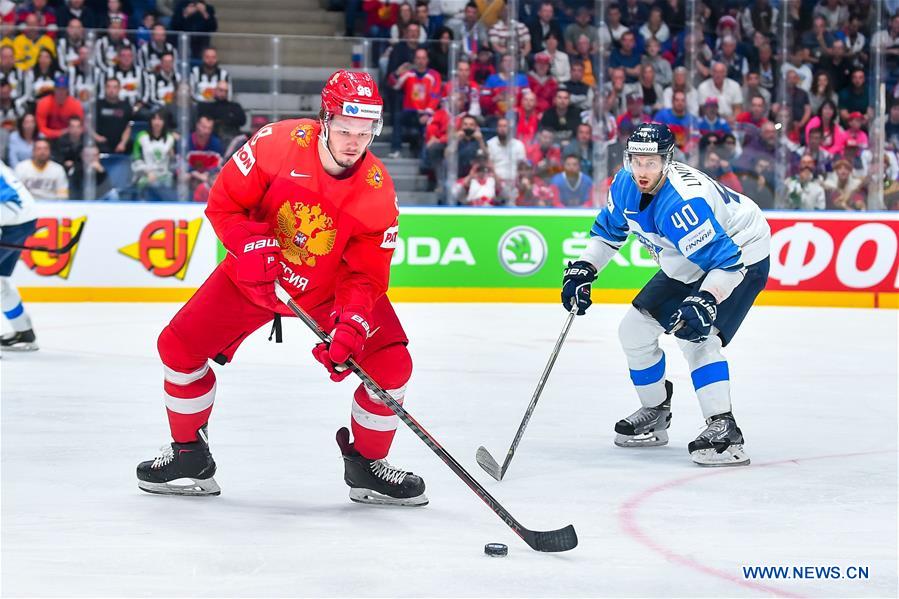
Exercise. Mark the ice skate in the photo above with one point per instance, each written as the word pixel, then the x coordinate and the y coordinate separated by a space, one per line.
pixel 180 469
pixel 720 444
pixel 19 341
pixel 647 427
pixel 376 481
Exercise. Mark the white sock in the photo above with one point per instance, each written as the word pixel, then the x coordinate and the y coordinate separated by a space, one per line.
pixel 11 303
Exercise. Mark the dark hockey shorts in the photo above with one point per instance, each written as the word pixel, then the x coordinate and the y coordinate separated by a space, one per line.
pixel 662 296
pixel 16 234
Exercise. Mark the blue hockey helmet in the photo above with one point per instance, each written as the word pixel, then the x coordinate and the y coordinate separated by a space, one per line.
pixel 650 138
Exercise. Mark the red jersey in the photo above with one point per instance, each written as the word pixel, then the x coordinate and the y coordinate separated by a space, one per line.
pixel 421 91
pixel 337 234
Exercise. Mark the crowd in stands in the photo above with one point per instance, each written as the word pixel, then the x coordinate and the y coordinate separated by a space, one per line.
pixel 521 108
pixel 127 80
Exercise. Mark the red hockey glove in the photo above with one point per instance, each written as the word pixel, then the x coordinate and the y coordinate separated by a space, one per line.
pixel 258 253
pixel 347 339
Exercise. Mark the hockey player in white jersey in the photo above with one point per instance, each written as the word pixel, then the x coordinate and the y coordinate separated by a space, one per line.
pixel 712 245
pixel 18 220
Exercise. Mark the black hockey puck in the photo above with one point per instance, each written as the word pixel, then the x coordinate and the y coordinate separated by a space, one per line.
pixel 496 549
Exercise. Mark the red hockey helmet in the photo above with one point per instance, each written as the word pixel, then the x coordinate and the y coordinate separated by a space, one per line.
pixel 352 94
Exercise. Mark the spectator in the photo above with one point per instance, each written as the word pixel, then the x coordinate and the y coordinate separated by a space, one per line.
pixel 21 141
pixel 655 27
pixel 833 14
pixel 195 16
pixel 499 86
pixel 482 68
pixel 467 89
pixel 756 116
pixel 759 16
pixel 891 129
pixel 106 50
pixel 585 57
pixel 615 91
pixel 528 117
pixel 505 152
pixel 204 153
pixel 856 120
pixel 560 65
pixel 66 149
pixel 660 66
pixel 582 147
pixel 822 159
pixel 113 125
pixel 438 55
pixel 855 98
pixel 103 189
pixel 634 13
pixel 726 90
pixel 821 90
pixel 818 40
pixel 436 138
pixel 711 121
pixel 132 87
pixel 888 41
pixel 752 88
pixel 626 57
pixel 684 126
pixel 855 42
pixel 27 44
pixel 75 9
pixel 545 154
pixel 55 110
pixel 844 191
pixel 45 179
pixel 563 118
pixel 421 88
pixel 67 45
pixel 469 142
pixel 151 160
pixel 797 63
pixel 573 188
pixel 531 190
pixel 542 83
pixel 163 85
pixel 39 81
pixel 647 88
pixel 719 169
pixel 10 112
pixel 758 182
pixel 113 12
pixel 581 26
pixel 10 73
pixel 149 56
pixel 736 63
pixel 205 77
pixel 405 15
pixel 144 30
pixel 613 23
pixel 470 31
pixel 81 77
pixel 581 94
pixel 635 114
pixel 702 53
pixel 837 66
pixel 768 70
pixel 501 35
pixel 45 16
pixel 543 24
pixel 680 82
pixel 228 116
pixel 803 192
pixel 833 136
pixel 480 187
pixel 422 17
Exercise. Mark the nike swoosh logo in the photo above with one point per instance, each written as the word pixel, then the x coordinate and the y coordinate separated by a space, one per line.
pixel 293 173
pixel 631 212
pixel 370 335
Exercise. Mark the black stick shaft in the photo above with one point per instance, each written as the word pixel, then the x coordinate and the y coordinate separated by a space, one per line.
pixel 65 249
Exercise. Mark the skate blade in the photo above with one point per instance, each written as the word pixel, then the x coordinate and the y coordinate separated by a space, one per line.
pixel 189 486
pixel 732 456
pixel 653 439
pixel 370 497
pixel 20 347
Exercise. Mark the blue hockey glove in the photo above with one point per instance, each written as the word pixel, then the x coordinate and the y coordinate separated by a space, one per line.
pixel 576 285
pixel 694 319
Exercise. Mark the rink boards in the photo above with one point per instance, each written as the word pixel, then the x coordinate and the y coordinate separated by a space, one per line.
pixel 164 251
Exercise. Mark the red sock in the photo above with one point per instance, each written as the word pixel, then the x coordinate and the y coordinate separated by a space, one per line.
pixel 188 401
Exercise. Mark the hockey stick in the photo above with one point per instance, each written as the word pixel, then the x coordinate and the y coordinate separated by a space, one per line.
pixel 563 539
pixel 65 249
pixel 483 457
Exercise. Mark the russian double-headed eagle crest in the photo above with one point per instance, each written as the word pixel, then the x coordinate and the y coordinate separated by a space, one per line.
pixel 304 232
pixel 375 177
pixel 302 135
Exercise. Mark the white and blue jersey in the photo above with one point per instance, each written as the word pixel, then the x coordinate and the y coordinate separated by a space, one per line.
pixel 16 202
pixel 692 225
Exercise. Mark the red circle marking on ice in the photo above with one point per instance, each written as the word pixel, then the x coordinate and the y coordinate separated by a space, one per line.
pixel 627 519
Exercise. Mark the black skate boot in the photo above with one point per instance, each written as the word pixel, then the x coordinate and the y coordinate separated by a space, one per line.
pixel 19 341
pixel 376 481
pixel 720 444
pixel 180 469
pixel 647 427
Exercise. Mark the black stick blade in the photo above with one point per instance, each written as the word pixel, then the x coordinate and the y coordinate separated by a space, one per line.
pixel 552 541
pixel 486 461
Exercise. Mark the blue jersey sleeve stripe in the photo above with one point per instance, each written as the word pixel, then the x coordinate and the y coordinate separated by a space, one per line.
pixel 597 231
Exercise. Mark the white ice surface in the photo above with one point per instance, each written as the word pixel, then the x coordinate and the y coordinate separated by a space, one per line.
pixel 814 392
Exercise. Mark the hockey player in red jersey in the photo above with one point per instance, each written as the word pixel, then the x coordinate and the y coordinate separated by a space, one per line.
pixel 303 203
